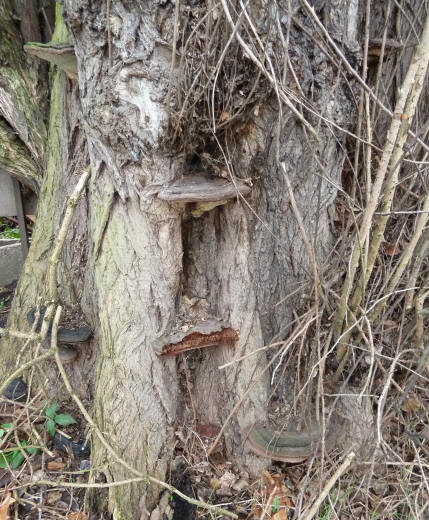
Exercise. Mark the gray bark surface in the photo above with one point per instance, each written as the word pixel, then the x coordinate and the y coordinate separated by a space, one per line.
pixel 153 271
pixel 138 268
pixel 19 95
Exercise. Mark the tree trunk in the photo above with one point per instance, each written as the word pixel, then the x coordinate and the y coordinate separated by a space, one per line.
pixel 138 268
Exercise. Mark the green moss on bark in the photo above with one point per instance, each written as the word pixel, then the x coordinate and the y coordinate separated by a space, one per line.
pixel 61 34
pixel 32 281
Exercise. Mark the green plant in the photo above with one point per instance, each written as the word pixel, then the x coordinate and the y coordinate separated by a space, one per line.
pixel 9 232
pixel 2 304
pixel 275 506
pixel 53 418
pixel 14 457
pixel 212 492
pixel 3 429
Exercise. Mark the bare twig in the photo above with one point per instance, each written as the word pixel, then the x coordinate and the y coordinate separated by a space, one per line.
pixel 408 97
pixel 55 257
pixel 265 72
pixel 23 368
pixel 352 71
pixel 329 485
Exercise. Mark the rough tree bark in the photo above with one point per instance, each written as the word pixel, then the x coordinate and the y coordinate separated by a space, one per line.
pixel 135 267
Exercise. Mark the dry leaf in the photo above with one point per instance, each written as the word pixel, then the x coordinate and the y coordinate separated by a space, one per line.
pixel 214 483
pixel 392 249
pixel 279 494
pixel 224 492
pixel 53 497
pixel 424 434
pixel 77 516
pixel 222 466
pixel 374 50
pixel 227 479
pixel 207 430
pixel 390 323
pixel 224 117
pixel 411 404
pixel 240 485
pixel 56 465
pixel 4 507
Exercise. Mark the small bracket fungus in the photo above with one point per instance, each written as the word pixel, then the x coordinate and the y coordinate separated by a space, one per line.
pixel 70 336
pixel 67 338
pixel 206 192
pixel 61 55
pixel 285 446
pixel 203 334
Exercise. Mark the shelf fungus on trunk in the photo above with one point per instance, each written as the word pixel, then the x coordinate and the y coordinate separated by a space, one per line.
pixel 204 192
pixel 67 338
pixel 284 446
pixel 70 335
pixel 61 55
pixel 203 334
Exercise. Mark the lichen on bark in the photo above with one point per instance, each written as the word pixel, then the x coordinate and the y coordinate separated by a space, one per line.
pixel 134 263
pixel 60 168
pixel 18 88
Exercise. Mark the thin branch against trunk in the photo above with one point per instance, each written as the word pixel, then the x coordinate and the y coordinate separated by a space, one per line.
pixel 408 96
pixel 25 366
pixel 407 254
pixel 420 254
pixel 413 85
pixel 55 258
pixel 276 84
pixel 346 63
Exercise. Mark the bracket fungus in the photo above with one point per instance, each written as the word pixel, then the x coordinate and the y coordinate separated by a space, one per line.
pixel 67 338
pixel 206 192
pixel 64 335
pixel 61 55
pixel 208 333
pixel 284 446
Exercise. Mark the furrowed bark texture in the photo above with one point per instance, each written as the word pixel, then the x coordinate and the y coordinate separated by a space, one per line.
pixel 23 96
pixel 136 267
pixel 19 93
pixel 135 252
pixel 66 157
pixel 151 268
pixel 16 160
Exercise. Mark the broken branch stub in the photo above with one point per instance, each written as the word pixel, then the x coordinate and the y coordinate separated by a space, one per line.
pixel 199 188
